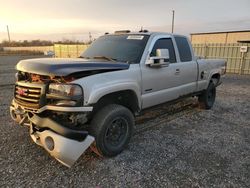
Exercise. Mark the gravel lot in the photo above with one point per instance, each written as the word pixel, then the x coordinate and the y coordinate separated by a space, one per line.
pixel 174 146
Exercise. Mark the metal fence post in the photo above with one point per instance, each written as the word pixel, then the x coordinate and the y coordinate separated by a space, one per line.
pixel 77 51
pixel 68 51
pixel 54 50
pixel 206 51
pixel 60 48
pixel 242 58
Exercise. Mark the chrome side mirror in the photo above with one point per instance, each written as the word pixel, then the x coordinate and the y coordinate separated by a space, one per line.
pixel 161 58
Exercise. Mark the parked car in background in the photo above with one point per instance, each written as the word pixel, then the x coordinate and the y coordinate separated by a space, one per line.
pixel 49 53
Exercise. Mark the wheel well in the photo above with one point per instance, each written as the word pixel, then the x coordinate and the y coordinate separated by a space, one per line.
pixel 125 98
pixel 215 79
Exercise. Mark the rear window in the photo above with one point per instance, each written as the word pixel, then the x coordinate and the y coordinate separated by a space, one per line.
pixel 183 48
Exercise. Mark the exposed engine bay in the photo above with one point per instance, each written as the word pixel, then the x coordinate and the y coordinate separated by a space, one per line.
pixel 68 119
pixel 36 78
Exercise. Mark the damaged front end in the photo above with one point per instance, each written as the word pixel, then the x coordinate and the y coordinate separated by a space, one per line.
pixel 53 110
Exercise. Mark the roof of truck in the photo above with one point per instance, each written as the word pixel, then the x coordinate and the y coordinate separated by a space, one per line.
pixel 127 32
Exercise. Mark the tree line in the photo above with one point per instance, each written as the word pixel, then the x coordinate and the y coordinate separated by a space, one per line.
pixel 26 43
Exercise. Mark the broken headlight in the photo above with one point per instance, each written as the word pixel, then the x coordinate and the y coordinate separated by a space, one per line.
pixel 65 94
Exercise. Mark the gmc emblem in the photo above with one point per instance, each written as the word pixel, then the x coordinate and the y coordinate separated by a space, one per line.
pixel 22 91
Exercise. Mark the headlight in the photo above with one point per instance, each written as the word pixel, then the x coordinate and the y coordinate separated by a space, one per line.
pixel 65 95
pixel 66 90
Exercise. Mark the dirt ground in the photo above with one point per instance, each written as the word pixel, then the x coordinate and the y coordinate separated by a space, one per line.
pixel 174 146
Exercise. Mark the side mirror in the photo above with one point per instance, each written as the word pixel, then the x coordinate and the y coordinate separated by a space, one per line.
pixel 161 58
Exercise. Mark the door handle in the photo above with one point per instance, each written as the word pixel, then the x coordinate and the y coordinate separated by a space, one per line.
pixel 177 71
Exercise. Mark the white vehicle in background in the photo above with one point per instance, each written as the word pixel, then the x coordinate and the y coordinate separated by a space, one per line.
pixel 71 104
pixel 49 53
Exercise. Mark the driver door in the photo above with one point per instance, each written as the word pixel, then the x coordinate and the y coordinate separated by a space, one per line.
pixel 160 84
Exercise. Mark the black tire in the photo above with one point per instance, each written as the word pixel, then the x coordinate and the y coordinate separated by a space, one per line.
pixel 112 128
pixel 207 98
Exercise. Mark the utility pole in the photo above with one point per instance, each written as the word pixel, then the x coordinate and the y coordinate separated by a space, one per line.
pixel 8 33
pixel 90 37
pixel 173 21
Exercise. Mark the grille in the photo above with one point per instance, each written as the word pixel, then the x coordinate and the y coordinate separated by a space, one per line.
pixel 28 96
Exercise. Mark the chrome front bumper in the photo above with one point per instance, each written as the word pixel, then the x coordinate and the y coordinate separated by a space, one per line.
pixel 19 113
pixel 15 105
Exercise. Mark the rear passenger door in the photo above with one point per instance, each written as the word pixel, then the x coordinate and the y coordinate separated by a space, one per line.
pixel 187 66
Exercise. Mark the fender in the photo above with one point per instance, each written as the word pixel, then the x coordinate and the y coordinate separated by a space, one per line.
pixel 213 72
pixel 100 92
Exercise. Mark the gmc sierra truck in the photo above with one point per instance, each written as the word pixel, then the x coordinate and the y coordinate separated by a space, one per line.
pixel 72 104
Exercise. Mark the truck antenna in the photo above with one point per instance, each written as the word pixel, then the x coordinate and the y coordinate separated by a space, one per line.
pixel 141 29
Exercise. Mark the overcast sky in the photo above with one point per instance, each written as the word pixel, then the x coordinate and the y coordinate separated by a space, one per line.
pixel 74 19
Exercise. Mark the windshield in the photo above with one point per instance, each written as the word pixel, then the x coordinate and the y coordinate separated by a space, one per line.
pixel 126 48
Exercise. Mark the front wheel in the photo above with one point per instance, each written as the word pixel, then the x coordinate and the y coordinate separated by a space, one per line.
pixel 112 128
pixel 207 98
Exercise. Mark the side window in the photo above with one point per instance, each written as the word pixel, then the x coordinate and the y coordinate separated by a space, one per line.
pixel 165 43
pixel 183 48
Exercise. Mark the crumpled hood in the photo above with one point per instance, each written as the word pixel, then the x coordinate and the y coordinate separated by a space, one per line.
pixel 66 66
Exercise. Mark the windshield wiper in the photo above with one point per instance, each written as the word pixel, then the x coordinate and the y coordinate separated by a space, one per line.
pixel 84 57
pixel 105 57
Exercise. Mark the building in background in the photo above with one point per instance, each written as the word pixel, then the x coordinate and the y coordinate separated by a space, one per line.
pixel 221 37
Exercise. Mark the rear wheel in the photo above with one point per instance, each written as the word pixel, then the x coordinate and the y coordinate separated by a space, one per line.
pixel 112 128
pixel 207 98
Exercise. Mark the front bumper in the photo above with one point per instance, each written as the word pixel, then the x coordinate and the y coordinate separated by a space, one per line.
pixel 19 113
pixel 63 149
pixel 63 143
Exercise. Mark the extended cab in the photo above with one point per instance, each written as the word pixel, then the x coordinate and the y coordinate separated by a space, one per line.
pixel 91 101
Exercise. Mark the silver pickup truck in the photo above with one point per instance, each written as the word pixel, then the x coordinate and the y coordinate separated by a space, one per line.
pixel 71 104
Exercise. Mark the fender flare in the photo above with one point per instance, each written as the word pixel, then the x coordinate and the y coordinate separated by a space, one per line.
pixel 216 71
pixel 97 94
